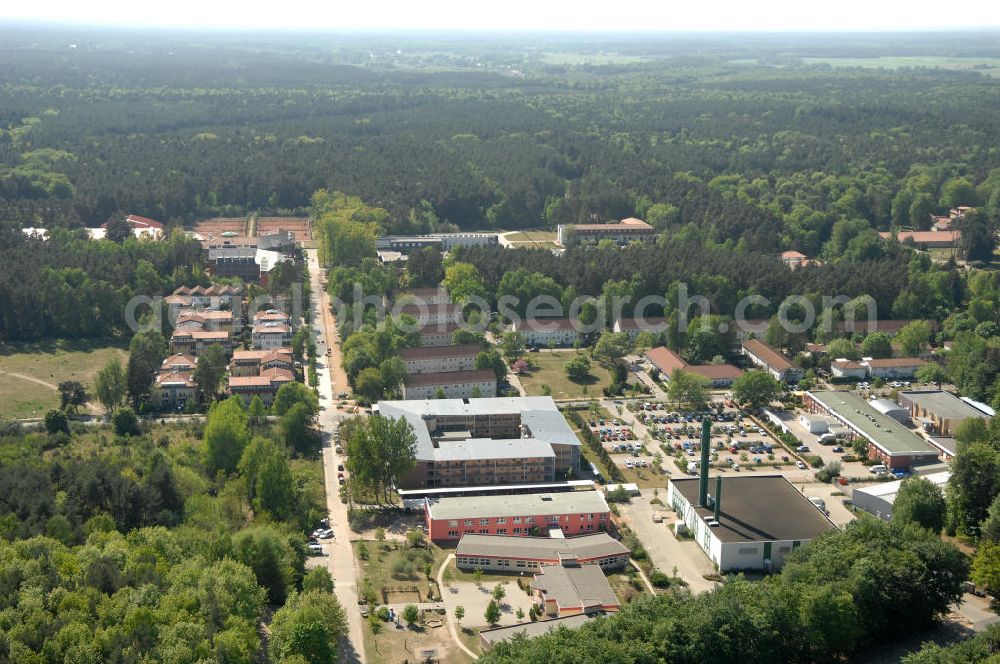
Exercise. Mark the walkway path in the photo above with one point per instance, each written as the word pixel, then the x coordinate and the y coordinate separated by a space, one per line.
pixel 92 407
pixel 448 616
pixel 340 553
pixel 642 575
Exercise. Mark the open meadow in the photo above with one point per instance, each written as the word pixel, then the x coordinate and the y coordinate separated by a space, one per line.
pixel 31 373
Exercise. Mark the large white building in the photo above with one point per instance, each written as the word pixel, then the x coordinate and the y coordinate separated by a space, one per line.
pixel 878 499
pixel 486 442
pixel 747 523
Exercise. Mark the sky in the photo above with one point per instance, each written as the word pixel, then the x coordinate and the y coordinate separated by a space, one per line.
pixel 508 15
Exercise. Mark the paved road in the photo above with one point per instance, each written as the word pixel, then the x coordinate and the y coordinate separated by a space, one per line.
pixel 340 556
pixel 664 549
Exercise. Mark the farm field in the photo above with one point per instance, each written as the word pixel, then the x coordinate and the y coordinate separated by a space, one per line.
pixel 550 372
pixel 988 66
pixel 30 373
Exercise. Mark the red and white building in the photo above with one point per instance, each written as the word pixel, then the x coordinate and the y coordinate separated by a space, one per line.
pixel 571 512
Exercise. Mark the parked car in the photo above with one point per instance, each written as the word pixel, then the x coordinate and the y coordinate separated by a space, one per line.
pixel 802 448
pixel 326 534
pixel 838 449
pixel 800 465
pixel 315 547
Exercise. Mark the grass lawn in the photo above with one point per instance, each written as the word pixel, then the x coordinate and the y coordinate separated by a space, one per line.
pixel 550 372
pixel 393 565
pixel 42 366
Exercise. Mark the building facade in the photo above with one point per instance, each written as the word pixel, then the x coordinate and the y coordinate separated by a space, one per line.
pixel 772 361
pixel 622 232
pixel 470 384
pixel 438 359
pixel 497 553
pixel 521 515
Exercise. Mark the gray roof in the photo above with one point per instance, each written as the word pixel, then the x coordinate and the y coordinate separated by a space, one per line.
pixel 523 504
pixel 539 414
pixel 762 508
pixel 487 448
pixel 942 404
pixel 889 490
pixel 885 406
pixel 878 428
pixel 575 585
pixel 450 378
pixel 439 352
pixel 540 548
pixel 533 629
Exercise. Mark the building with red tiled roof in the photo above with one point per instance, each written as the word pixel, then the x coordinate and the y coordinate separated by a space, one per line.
pixel 265 385
pixel 771 360
pixel 667 362
pixel 252 362
pixel 929 239
pixel 173 390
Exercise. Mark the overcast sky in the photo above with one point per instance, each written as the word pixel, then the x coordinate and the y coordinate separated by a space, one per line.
pixel 573 15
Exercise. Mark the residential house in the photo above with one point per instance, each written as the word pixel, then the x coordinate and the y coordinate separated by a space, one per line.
pixel 546 332
pixel 453 384
pixel 634 326
pixel 667 362
pixel 438 359
pixel 173 390
pixel 253 362
pixel 265 385
pixel 268 335
pixel 772 360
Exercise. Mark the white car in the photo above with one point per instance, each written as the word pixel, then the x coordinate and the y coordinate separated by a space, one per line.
pixel 325 534
pixel 800 465
pixel 315 547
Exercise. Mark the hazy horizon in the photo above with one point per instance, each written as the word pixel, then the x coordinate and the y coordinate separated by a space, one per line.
pixel 516 16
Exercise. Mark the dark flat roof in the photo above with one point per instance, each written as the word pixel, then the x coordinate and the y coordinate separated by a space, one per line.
pixel 762 508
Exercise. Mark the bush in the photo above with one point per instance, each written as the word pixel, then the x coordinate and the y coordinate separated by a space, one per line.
pixel 828 472
pixel 814 460
pixel 56 421
pixel 125 422
pixel 659 579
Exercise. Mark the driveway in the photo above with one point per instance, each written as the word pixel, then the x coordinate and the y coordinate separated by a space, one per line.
pixel 664 549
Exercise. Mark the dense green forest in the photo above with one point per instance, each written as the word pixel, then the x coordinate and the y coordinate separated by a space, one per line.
pixel 173 544
pixel 742 136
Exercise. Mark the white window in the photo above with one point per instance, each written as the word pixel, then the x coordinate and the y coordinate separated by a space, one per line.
pixel 468 522
pixel 453 523
pixel 501 521
pixel 517 519
pixel 484 522
pixel 452 533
